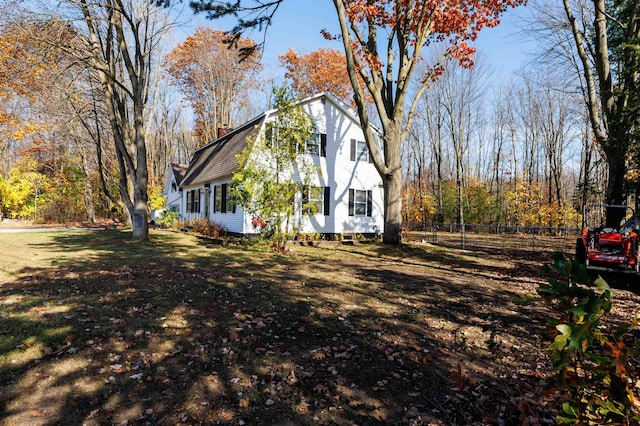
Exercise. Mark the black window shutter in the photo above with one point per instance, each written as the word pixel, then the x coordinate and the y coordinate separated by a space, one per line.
pixel 223 202
pixel 327 200
pixel 215 197
pixel 352 155
pixel 323 144
pixel 351 196
pixel 369 202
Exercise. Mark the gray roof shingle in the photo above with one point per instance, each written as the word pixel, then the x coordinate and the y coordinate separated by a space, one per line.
pixel 179 170
pixel 218 159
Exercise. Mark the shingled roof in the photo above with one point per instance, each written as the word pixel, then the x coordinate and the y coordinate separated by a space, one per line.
pixel 218 159
pixel 179 170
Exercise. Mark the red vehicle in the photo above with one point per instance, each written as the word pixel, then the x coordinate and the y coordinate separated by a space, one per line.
pixel 607 248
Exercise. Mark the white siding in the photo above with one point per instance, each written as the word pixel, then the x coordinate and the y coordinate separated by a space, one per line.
pixel 341 174
pixel 335 171
pixel 232 222
pixel 174 197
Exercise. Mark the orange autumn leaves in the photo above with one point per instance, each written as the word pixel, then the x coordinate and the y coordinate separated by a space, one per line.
pixel 323 70
pixel 28 65
pixel 424 22
pixel 209 71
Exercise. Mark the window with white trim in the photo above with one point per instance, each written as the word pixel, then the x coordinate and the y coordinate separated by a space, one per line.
pixel 360 202
pixel 316 200
pixel 360 150
pixel 193 201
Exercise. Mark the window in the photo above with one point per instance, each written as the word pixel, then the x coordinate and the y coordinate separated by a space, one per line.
pixel 316 199
pixel 313 144
pixel 317 145
pixel 193 201
pixel 222 199
pixel 312 200
pixel 174 187
pixel 359 149
pixel 228 205
pixel 360 202
pixel 279 137
pixel 217 198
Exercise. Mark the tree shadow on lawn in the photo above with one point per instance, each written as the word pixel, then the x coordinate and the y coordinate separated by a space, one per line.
pixel 169 331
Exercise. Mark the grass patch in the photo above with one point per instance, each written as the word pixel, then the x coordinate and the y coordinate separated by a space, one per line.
pixel 96 329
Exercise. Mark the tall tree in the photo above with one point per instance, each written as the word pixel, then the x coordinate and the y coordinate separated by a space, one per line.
pixel 213 77
pixel 383 42
pixel 119 40
pixel 607 41
pixel 460 103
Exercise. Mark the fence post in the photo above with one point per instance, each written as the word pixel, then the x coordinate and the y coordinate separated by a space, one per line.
pixel 463 236
pixel 533 240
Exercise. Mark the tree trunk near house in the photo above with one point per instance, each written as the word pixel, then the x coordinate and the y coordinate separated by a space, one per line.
pixel 392 183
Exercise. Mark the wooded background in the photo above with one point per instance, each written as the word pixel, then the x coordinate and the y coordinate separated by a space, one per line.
pixel 519 151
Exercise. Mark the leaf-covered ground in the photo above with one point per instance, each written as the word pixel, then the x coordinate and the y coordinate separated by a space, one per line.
pixel 95 329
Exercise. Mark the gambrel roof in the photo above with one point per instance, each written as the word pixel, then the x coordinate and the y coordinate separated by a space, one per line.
pixel 218 159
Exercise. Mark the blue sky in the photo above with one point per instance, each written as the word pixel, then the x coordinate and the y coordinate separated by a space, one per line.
pixel 297 25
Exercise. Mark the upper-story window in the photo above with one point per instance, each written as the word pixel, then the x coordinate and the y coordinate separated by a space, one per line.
pixel 360 150
pixel 317 145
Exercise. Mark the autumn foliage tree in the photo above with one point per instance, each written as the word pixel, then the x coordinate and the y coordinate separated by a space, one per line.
pixel 213 78
pixel 322 70
pixel 383 42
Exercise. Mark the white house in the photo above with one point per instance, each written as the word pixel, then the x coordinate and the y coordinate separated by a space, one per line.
pixel 348 189
pixel 172 187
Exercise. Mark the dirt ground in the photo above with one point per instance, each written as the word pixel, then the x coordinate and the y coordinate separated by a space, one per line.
pixel 98 330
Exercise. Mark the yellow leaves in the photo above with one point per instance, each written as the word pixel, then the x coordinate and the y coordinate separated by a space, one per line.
pixel 528 205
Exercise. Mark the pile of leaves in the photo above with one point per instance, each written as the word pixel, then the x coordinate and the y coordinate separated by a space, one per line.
pixel 101 330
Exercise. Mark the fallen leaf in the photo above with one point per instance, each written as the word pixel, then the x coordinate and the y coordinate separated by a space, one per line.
pixel 318 355
pixel 320 389
pixel 37 412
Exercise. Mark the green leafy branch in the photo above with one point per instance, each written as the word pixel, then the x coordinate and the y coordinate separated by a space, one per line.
pixel 592 362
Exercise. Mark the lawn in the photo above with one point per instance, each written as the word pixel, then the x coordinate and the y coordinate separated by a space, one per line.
pixel 96 329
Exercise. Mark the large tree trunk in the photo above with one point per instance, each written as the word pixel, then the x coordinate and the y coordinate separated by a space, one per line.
pixel 616 167
pixel 393 207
